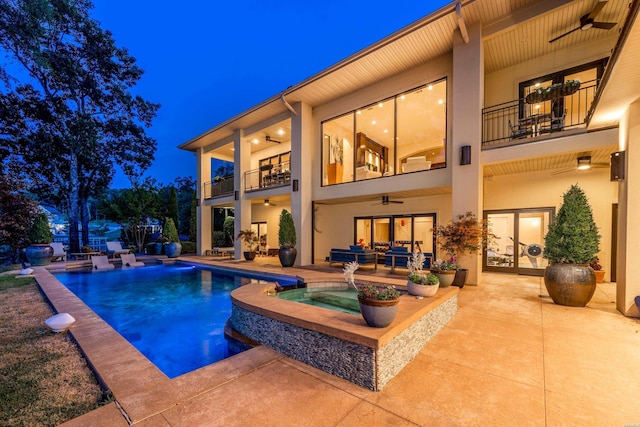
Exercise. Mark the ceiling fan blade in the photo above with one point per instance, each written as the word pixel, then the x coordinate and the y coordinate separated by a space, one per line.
pixel 596 9
pixel 604 25
pixel 396 201
pixel 565 34
pixel 561 171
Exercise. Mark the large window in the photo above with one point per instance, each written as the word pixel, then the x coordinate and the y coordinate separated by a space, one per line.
pixel 379 233
pixel 402 134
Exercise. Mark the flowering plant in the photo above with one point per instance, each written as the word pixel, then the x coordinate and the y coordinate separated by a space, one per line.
pixel 444 265
pixel 595 264
pixel 417 274
pixel 384 293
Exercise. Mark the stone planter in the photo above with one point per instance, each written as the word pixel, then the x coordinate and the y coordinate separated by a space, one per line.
pixel 422 290
pixel 572 285
pixel 378 313
pixel 445 277
pixel 39 254
pixel 173 249
pixel 287 256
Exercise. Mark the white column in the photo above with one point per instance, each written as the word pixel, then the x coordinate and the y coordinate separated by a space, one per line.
pixel 242 211
pixel 301 160
pixel 203 213
pixel 628 250
pixel 466 120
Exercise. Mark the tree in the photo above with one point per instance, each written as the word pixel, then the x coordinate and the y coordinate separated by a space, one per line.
pixel 172 205
pixel 74 118
pixel 193 224
pixel 17 211
pixel 186 187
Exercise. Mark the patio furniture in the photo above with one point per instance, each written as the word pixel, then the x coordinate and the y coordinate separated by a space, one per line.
pixel 101 262
pixel 228 251
pixel 58 251
pixel 82 255
pixel 399 256
pixel 129 260
pixel 115 249
pixel 354 253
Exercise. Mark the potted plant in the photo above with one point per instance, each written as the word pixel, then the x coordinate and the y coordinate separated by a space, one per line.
pixel 445 271
pixel 39 252
pixel 465 235
pixel 421 283
pixel 85 249
pixel 250 238
pixel 378 304
pixel 597 268
pixel 173 247
pixel 287 239
pixel 571 243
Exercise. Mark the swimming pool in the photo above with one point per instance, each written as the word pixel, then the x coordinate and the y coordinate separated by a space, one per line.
pixel 173 314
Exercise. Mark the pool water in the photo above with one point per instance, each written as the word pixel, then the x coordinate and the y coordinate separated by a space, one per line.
pixel 339 299
pixel 174 315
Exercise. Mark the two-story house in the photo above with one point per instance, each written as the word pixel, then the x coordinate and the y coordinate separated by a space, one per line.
pixel 491 106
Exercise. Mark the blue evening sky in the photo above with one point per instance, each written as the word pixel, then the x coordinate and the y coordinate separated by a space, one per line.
pixel 206 61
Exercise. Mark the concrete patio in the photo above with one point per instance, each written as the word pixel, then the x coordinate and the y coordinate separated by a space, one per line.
pixel 509 357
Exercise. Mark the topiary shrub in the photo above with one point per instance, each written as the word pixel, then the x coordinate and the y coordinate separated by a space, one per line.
pixel 170 232
pixel 40 233
pixel 573 236
pixel 287 230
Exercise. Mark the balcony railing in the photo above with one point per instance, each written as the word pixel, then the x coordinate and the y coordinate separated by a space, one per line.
pixel 268 176
pixel 514 121
pixel 218 187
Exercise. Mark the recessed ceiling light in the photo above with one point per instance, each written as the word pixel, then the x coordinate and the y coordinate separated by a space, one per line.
pixel 358 112
pixel 430 87
pixel 373 122
pixel 233 149
pixel 255 140
pixel 280 132
pixel 380 104
pixel 537 84
pixel 402 97
pixel 386 131
pixel 440 101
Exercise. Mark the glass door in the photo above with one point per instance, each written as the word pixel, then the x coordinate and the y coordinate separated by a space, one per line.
pixel 519 241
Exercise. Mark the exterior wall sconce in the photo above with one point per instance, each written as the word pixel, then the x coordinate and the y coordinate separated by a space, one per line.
pixel 294 184
pixel 236 195
pixel 617 166
pixel 465 155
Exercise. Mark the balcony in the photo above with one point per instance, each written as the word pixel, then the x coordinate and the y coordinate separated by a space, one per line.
pixel 218 187
pixel 517 122
pixel 268 176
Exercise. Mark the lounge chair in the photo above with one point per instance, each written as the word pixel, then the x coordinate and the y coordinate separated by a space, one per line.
pixel 101 262
pixel 129 260
pixel 58 251
pixel 354 253
pixel 115 249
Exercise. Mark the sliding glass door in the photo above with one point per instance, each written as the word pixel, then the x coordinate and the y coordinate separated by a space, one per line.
pixel 519 240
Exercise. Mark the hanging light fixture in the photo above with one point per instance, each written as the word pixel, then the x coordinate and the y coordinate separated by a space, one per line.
pixel 584 163
pixel 266 202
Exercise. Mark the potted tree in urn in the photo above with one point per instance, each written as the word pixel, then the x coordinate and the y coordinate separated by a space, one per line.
pixel 173 247
pixel 287 239
pixel 378 303
pixel 250 238
pixel 571 243
pixel 465 235
pixel 39 252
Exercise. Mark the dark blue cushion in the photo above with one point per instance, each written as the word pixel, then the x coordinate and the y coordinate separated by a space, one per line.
pixel 400 249
pixel 355 248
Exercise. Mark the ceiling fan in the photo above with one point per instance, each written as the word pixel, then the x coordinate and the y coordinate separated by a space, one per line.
pixel 588 21
pixel 385 201
pixel 584 163
pixel 268 203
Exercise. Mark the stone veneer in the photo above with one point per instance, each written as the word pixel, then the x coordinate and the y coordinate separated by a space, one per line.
pixel 368 357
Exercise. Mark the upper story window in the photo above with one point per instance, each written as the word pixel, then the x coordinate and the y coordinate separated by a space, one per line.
pixel 402 134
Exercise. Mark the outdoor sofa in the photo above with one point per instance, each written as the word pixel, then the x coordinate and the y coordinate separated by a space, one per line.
pixel 398 256
pixel 354 253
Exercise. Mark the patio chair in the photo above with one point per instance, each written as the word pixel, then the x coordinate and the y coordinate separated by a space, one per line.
pixel 101 262
pixel 519 131
pixel 58 251
pixel 115 249
pixel 129 261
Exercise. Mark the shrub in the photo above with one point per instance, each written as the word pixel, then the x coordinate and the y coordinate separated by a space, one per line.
pixel 170 232
pixel 40 232
pixel 287 230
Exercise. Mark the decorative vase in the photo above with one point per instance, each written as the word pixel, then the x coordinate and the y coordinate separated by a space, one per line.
pixel 39 254
pixel 572 285
pixel 445 277
pixel 422 290
pixel 460 278
pixel 378 313
pixel 173 249
pixel 287 256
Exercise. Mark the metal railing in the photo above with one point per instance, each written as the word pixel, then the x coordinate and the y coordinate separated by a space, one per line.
pixel 268 176
pixel 512 122
pixel 218 187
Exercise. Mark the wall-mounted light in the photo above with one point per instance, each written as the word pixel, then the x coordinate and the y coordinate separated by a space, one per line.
pixel 617 166
pixel 236 195
pixel 198 202
pixel 294 184
pixel 584 163
pixel 465 155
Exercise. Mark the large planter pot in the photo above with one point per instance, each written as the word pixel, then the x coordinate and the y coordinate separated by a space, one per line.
pixel 422 290
pixel 250 255
pixel 173 249
pixel 39 254
pixel 572 285
pixel 599 276
pixel 377 313
pixel 460 278
pixel 159 248
pixel 287 256
pixel 445 277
